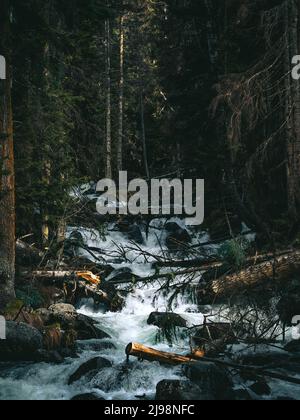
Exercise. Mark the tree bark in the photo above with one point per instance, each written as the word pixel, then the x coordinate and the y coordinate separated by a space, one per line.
pixel 277 268
pixel 108 167
pixel 143 131
pixel 7 172
pixel 121 96
pixel 292 110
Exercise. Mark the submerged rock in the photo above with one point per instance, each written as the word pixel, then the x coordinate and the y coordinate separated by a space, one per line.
pixel 22 342
pixel 212 380
pixel 132 231
pixel 176 236
pixel 178 390
pixel 87 329
pixel 261 388
pixel 90 369
pixel 166 320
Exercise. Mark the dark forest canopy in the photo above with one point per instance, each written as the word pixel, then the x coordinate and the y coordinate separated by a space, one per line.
pixel 175 87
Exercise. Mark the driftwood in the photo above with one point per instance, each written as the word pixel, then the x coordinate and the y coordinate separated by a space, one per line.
pixel 152 355
pixel 276 268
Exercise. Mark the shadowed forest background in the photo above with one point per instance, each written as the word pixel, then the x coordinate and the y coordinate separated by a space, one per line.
pixel 161 89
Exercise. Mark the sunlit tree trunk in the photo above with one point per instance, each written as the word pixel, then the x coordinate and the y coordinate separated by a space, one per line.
pixel 7 173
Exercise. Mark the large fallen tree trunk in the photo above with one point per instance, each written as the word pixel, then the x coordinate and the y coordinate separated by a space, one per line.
pixel 277 268
pixel 152 355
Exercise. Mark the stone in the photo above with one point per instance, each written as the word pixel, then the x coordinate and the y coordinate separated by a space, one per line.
pixel 166 320
pixel 176 236
pixel 261 388
pixel 90 369
pixel 21 344
pixel 211 379
pixel 49 357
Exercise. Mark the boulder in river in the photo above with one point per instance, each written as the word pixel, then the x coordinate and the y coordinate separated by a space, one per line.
pixel 90 369
pixel 178 390
pixel 212 380
pixel 63 314
pixel 166 320
pixel 87 329
pixel 22 342
pixel 131 230
pixel 176 236
pixel 261 388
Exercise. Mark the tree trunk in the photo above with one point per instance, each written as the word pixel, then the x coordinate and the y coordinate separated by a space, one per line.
pixel 292 110
pixel 108 167
pixel 121 95
pixel 278 268
pixel 143 131
pixel 7 173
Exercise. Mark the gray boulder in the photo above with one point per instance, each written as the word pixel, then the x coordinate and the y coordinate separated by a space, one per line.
pixel 22 342
pixel 166 320
pixel 90 369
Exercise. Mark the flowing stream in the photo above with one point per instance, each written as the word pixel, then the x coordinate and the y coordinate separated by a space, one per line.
pixel 123 381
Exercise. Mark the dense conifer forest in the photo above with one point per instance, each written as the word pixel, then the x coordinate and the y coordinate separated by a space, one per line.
pixel 164 90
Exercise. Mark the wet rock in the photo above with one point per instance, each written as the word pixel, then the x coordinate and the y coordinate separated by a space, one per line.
pixel 211 379
pixel 90 369
pixel 87 329
pixel 132 231
pixel 22 342
pixel 261 388
pixel 166 320
pixel 49 357
pixel 179 390
pixel 293 346
pixel 176 236
pixel 87 397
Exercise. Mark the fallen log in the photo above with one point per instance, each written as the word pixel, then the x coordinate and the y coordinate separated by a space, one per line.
pixel 152 355
pixel 277 268
pixel 63 275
